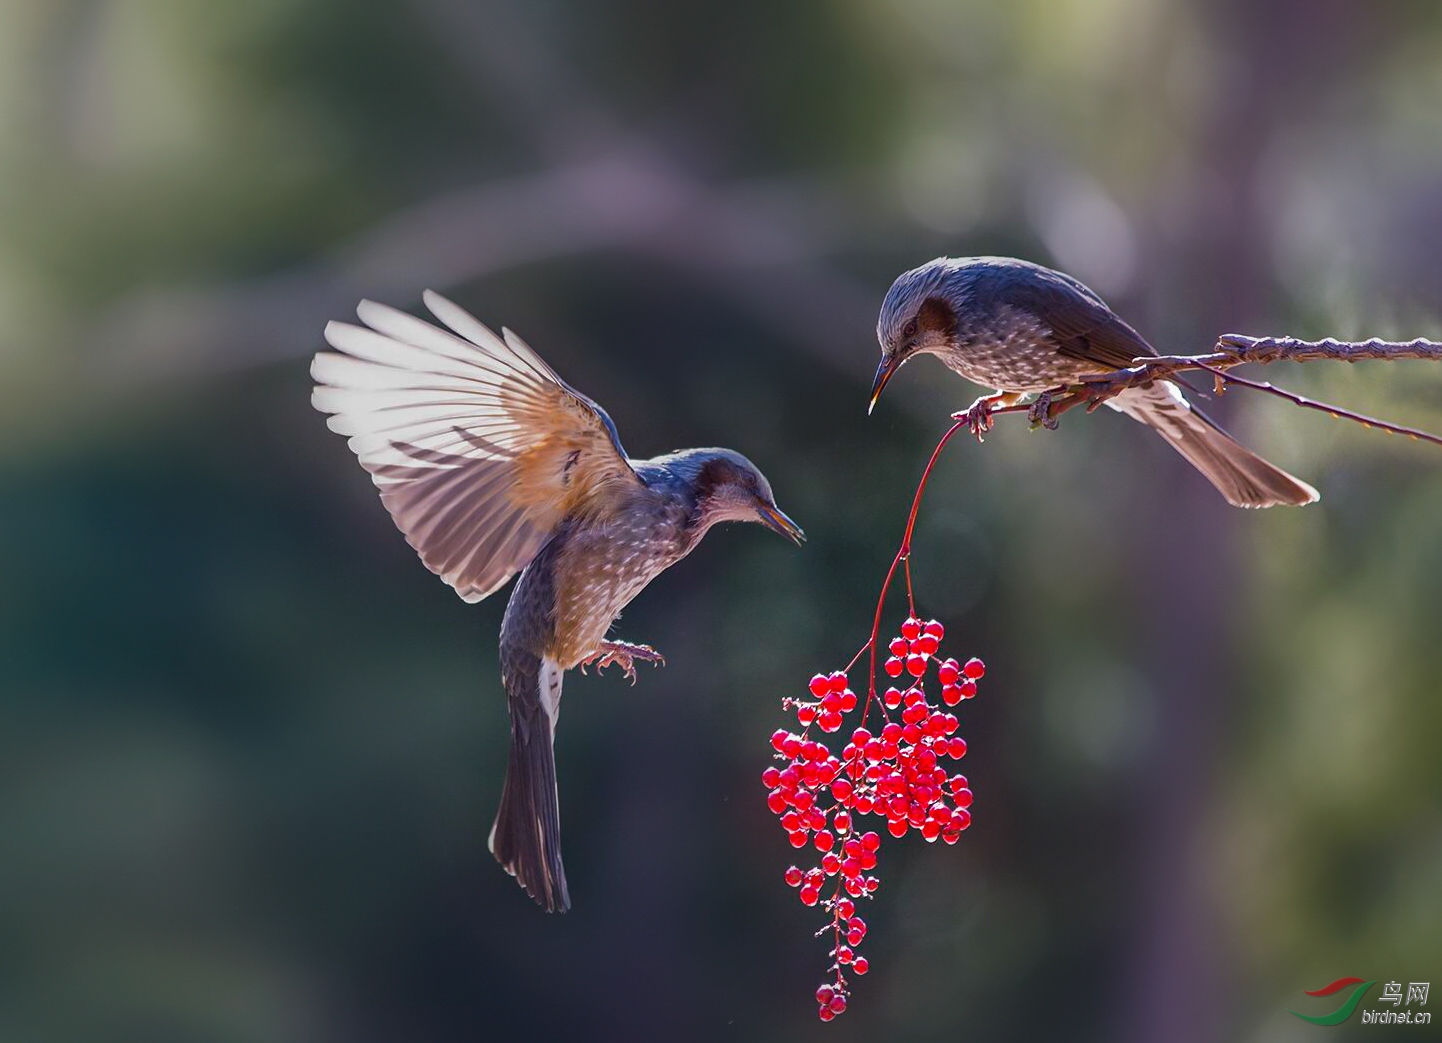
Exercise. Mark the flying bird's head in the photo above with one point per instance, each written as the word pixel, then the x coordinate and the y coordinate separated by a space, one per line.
pixel 918 317
pixel 729 487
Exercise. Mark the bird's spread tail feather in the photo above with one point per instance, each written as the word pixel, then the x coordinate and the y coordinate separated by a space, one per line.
pixel 526 836
pixel 1239 474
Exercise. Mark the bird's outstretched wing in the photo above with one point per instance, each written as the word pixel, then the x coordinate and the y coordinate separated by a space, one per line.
pixel 478 448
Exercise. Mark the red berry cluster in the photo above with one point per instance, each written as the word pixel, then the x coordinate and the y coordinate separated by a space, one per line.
pixel 895 774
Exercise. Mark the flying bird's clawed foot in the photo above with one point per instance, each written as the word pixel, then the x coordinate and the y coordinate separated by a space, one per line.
pixel 622 654
pixel 978 414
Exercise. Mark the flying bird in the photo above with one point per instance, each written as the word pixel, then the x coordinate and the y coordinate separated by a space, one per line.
pixel 1021 328
pixel 491 464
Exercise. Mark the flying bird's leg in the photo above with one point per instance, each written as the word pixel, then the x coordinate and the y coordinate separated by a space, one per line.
pixel 978 414
pixel 622 654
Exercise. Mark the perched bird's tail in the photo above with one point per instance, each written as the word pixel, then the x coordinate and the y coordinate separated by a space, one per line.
pixel 1239 474
pixel 526 837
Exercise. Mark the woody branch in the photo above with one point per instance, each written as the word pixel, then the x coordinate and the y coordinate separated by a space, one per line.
pixel 1234 349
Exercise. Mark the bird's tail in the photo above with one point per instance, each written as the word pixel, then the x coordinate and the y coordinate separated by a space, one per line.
pixel 1239 474
pixel 526 837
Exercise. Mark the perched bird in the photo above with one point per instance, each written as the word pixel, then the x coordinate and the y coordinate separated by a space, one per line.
pixel 491 464
pixel 1021 328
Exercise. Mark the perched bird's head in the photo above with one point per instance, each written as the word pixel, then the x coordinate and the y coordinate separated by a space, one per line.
pixel 729 487
pixel 918 316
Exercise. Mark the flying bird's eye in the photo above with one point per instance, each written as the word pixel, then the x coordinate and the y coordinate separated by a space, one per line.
pixel 909 330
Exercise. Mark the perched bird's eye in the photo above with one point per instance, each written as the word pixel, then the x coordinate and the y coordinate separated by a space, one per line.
pixel 909 330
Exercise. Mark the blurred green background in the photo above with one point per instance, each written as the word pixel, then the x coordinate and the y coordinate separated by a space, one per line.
pixel 251 748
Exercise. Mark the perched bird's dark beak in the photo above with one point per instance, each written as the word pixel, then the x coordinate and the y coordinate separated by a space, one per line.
pixel 883 374
pixel 772 517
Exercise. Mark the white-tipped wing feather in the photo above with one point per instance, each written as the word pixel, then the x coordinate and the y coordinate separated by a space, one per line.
pixel 478 448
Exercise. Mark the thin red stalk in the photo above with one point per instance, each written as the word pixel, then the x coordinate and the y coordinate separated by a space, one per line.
pixel 902 555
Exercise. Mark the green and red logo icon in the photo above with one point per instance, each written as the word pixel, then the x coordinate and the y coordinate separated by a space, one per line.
pixel 1349 1005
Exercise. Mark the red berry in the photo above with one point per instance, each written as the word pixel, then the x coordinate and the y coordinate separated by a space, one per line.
pixel 893 667
pixel 960 819
pixel 793 876
pixel 964 798
pixel 776 801
pixel 778 739
pixel 805 715
pixel 974 668
pixel 844 954
pixel 825 1014
pixel 860 737
pixel 829 722
pixel 897 826
pixel 819 685
pixel 770 777
pixel 798 838
pixel 842 821
pixel 927 645
pixel 870 841
pixel 823 841
pixel 810 895
pixel 860 965
pixel 891 732
pixel 911 629
pixel 915 665
pixel 956 746
pixel 948 672
pixel 838 1003
pixel 824 994
pixel 968 688
pixel 892 698
pixel 848 701
pixel 898 646
pixel 934 628
pixel 841 790
pixel 854 937
pixel 950 694
pixel 830 863
pixel 845 908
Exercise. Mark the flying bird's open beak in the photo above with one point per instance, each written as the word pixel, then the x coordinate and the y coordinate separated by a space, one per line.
pixel 883 374
pixel 772 517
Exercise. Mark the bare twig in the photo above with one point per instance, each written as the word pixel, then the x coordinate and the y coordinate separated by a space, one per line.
pixel 1234 349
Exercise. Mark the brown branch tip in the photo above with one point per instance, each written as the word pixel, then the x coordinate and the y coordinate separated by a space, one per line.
pixel 1235 349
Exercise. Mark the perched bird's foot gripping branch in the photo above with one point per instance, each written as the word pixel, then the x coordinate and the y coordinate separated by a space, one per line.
pixel 622 654
pixel 978 414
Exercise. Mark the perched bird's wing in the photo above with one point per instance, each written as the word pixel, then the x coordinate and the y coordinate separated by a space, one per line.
pixel 478 448
pixel 1083 326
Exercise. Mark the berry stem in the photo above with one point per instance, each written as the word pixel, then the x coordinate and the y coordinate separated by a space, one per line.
pixel 902 555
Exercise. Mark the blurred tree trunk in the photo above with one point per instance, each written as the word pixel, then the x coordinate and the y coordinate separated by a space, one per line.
pixel 1279 53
